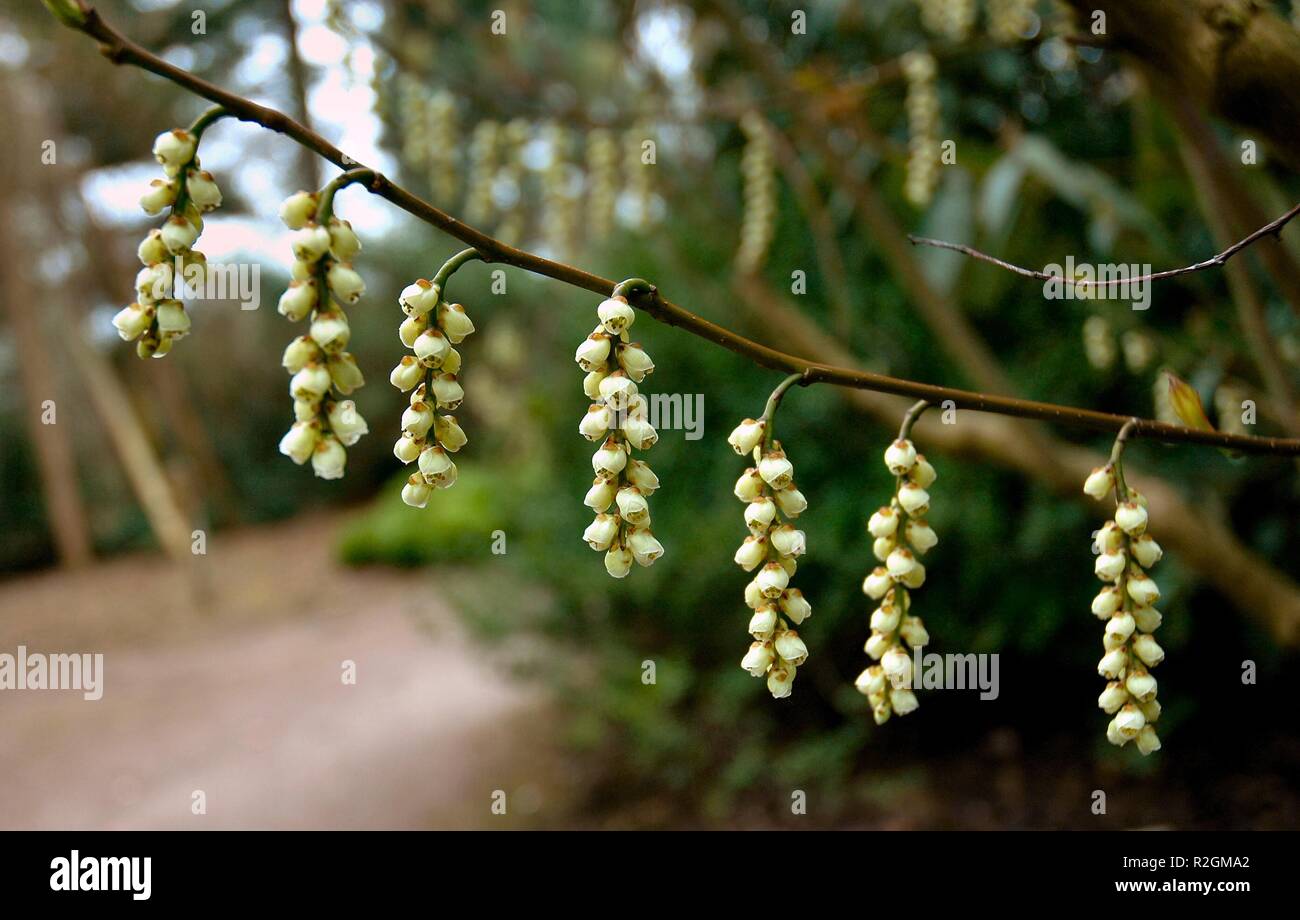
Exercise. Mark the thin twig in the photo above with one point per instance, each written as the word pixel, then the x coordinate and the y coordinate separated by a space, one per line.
pixel 121 50
pixel 1272 228
pixel 1117 457
pixel 910 418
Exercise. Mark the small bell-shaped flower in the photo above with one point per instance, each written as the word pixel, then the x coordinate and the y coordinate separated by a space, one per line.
pixel 298 209
pixel 416 491
pixel 600 533
pixel 593 351
pixel 639 474
pixel 618 561
pixel 633 359
pixel 310 243
pixel 178 235
pixel 645 548
pixel 776 470
pixel 791 501
pixel 616 315
pixel 1100 482
pixel 746 436
pixel 329 458
pixel 449 433
pixel 455 322
pixel 447 391
pixel 900 456
pixel 419 298
pixel 174 149
pixel 160 194
pixel 202 190
pixel 299 441
pixel 406 374
pixel 345 283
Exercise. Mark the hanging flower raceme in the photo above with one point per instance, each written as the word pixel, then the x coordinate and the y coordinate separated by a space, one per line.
pixel 602 168
pixel 771 550
pixel 430 433
pixel 759 221
pixel 923 126
pixel 951 19
pixel 186 192
pixel 901 536
pixel 1010 20
pixel 322 369
pixel 1125 551
pixel 618 420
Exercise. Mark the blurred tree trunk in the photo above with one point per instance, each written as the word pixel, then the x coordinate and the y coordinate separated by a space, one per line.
pixel 1236 58
pixel 306 170
pixel 55 456
pixel 54 453
pixel 142 466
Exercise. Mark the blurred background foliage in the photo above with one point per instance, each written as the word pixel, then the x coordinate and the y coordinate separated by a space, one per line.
pixel 1060 150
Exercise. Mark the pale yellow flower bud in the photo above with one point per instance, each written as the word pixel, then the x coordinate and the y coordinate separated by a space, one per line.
pixel 416 492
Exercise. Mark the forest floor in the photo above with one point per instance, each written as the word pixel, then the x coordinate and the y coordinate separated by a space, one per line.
pixel 241 698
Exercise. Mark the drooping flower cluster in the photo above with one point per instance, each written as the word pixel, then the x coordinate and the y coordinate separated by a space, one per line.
pixel 637 204
pixel 510 179
pixel 1124 553
pixel 618 419
pixel 480 204
pixel 413 110
pixel 1010 20
pixel 560 214
pixel 431 328
pixel 443 137
pixel 773 547
pixel 322 370
pixel 186 191
pixel 602 172
pixel 951 19
pixel 901 535
pixel 923 127
pixel 759 220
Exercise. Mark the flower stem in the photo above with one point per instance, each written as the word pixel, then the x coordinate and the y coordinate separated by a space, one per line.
pixel 1117 458
pixel 773 401
pixel 325 209
pixel 207 119
pixel 910 418
pixel 632 287
pixel 451 265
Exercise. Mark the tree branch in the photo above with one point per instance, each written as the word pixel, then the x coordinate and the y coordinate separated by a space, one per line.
pixel 1272 228
pixel 121 50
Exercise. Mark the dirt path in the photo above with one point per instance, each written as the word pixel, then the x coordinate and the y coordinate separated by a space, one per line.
pixel 245 701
